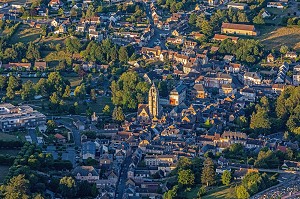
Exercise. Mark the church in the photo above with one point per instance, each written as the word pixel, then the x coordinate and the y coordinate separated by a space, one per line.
pixel 150 111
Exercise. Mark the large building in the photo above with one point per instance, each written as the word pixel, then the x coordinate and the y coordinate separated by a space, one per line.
pixel 146 112
pixel 19 117
pixel 177 95
pixel 238 29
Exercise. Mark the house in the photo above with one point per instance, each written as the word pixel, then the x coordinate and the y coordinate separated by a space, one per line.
pixel 60 138
pixel 279 5
pixel 199 91
pixel 281 75
pixel 248 94
pixel 177 95
pixel 88 150
pixel 291 55
pixel 156 160
pixel 219 37
pixel 95 35
pixel 87 173
pixel 238 29
pixel 252 78
pixel 18 66
pixel 239 6
pixel 266 14
pixel 55 4
pixel 290 165
pixel 79 125
pixel 270 58
pixel 278 88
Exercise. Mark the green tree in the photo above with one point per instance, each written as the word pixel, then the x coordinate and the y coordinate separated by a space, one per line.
pixel 260 120
pixel 193 19
pixel 172 193
pixel 201 191
pixel 16 188
pixel 67 187
pixel 93 95
pixel 106 110
pixel 284 49
pixel 206 28
pixel 258 19
pixel 208 173
pixel 123 54
pixel 67 92
pixel 226 178
pixel 72 45
pixel 186 177
pixel 118 114
pixel 80 91
pixel 242 192
pixel 27 91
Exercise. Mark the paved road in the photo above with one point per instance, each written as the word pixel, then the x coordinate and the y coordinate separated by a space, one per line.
pixel 123 177
pixel 157 31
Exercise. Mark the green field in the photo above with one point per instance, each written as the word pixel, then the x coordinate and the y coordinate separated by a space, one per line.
pixel 25 34
pixel 12 152
pixel 7 137
pixel 222 192
pixel 274 37
pixel 3 171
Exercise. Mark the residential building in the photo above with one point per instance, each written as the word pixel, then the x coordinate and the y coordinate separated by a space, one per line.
pixel 13 118
pixel 238 29
pixel 177 95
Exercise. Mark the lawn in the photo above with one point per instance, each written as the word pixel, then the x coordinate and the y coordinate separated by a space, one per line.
pixel 98 106
pixel 3 171
pixel 219 193
pixel 191 194
pixel 8 137
pixel 12 152
pixel 274 37
pixel 25 34
pixel 75 81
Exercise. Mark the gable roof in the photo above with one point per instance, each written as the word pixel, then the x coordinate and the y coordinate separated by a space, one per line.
pixel 238 26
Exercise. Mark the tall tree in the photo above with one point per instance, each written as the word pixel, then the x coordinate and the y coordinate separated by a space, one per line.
pixel 118 114
pixel 226 178
pixel 16 188
pixel 67 187
pixel 186 177
pixel 208 173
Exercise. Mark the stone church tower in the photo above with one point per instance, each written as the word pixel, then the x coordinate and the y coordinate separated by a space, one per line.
pixel 153 101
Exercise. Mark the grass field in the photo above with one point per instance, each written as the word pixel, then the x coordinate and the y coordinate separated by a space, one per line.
pixel 222 192
pixel 12 152
pixel 3 171
pixel 7 137
pixel 25 34
pixel 274 37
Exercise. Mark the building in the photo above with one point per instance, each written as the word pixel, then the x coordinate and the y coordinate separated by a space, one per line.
pixel 238 29
pixel 153 101
pixel 87 173
pixel 252 78
pixel 219 37
pixel 199 91
pixel 146 112
pixel 19 117
pixel 239 6
pixel 177 95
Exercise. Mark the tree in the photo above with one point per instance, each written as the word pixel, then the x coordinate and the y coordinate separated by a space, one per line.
pixel 186 177
pixel 193 19
pixel 123 54
pixel 51 125
pixel 33 52
pixel 208 172
pixel 93 95
pixel 172 193
pixel 12 86
pixel 72 45
pixel 67 186
pixel 27 91
pixel 201 192
pixel 106 110
pixel 16 188
pixel 206 28
pixel 258 19
pixel 67 92
pixel 284 49
pixel 118 114
pixel 242 192
pixel 184 163
pixel 80 91
pixel 260 120
pixel 226 178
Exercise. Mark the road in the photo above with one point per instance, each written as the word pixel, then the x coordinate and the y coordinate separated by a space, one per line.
pixel 123 177
pixel 157 31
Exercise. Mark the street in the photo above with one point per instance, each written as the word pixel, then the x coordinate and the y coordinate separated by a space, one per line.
pixel 122 179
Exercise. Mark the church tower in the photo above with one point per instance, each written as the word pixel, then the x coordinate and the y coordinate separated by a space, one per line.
pixel 153 101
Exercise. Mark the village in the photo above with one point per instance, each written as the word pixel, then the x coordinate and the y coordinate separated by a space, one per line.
pixel 171 100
